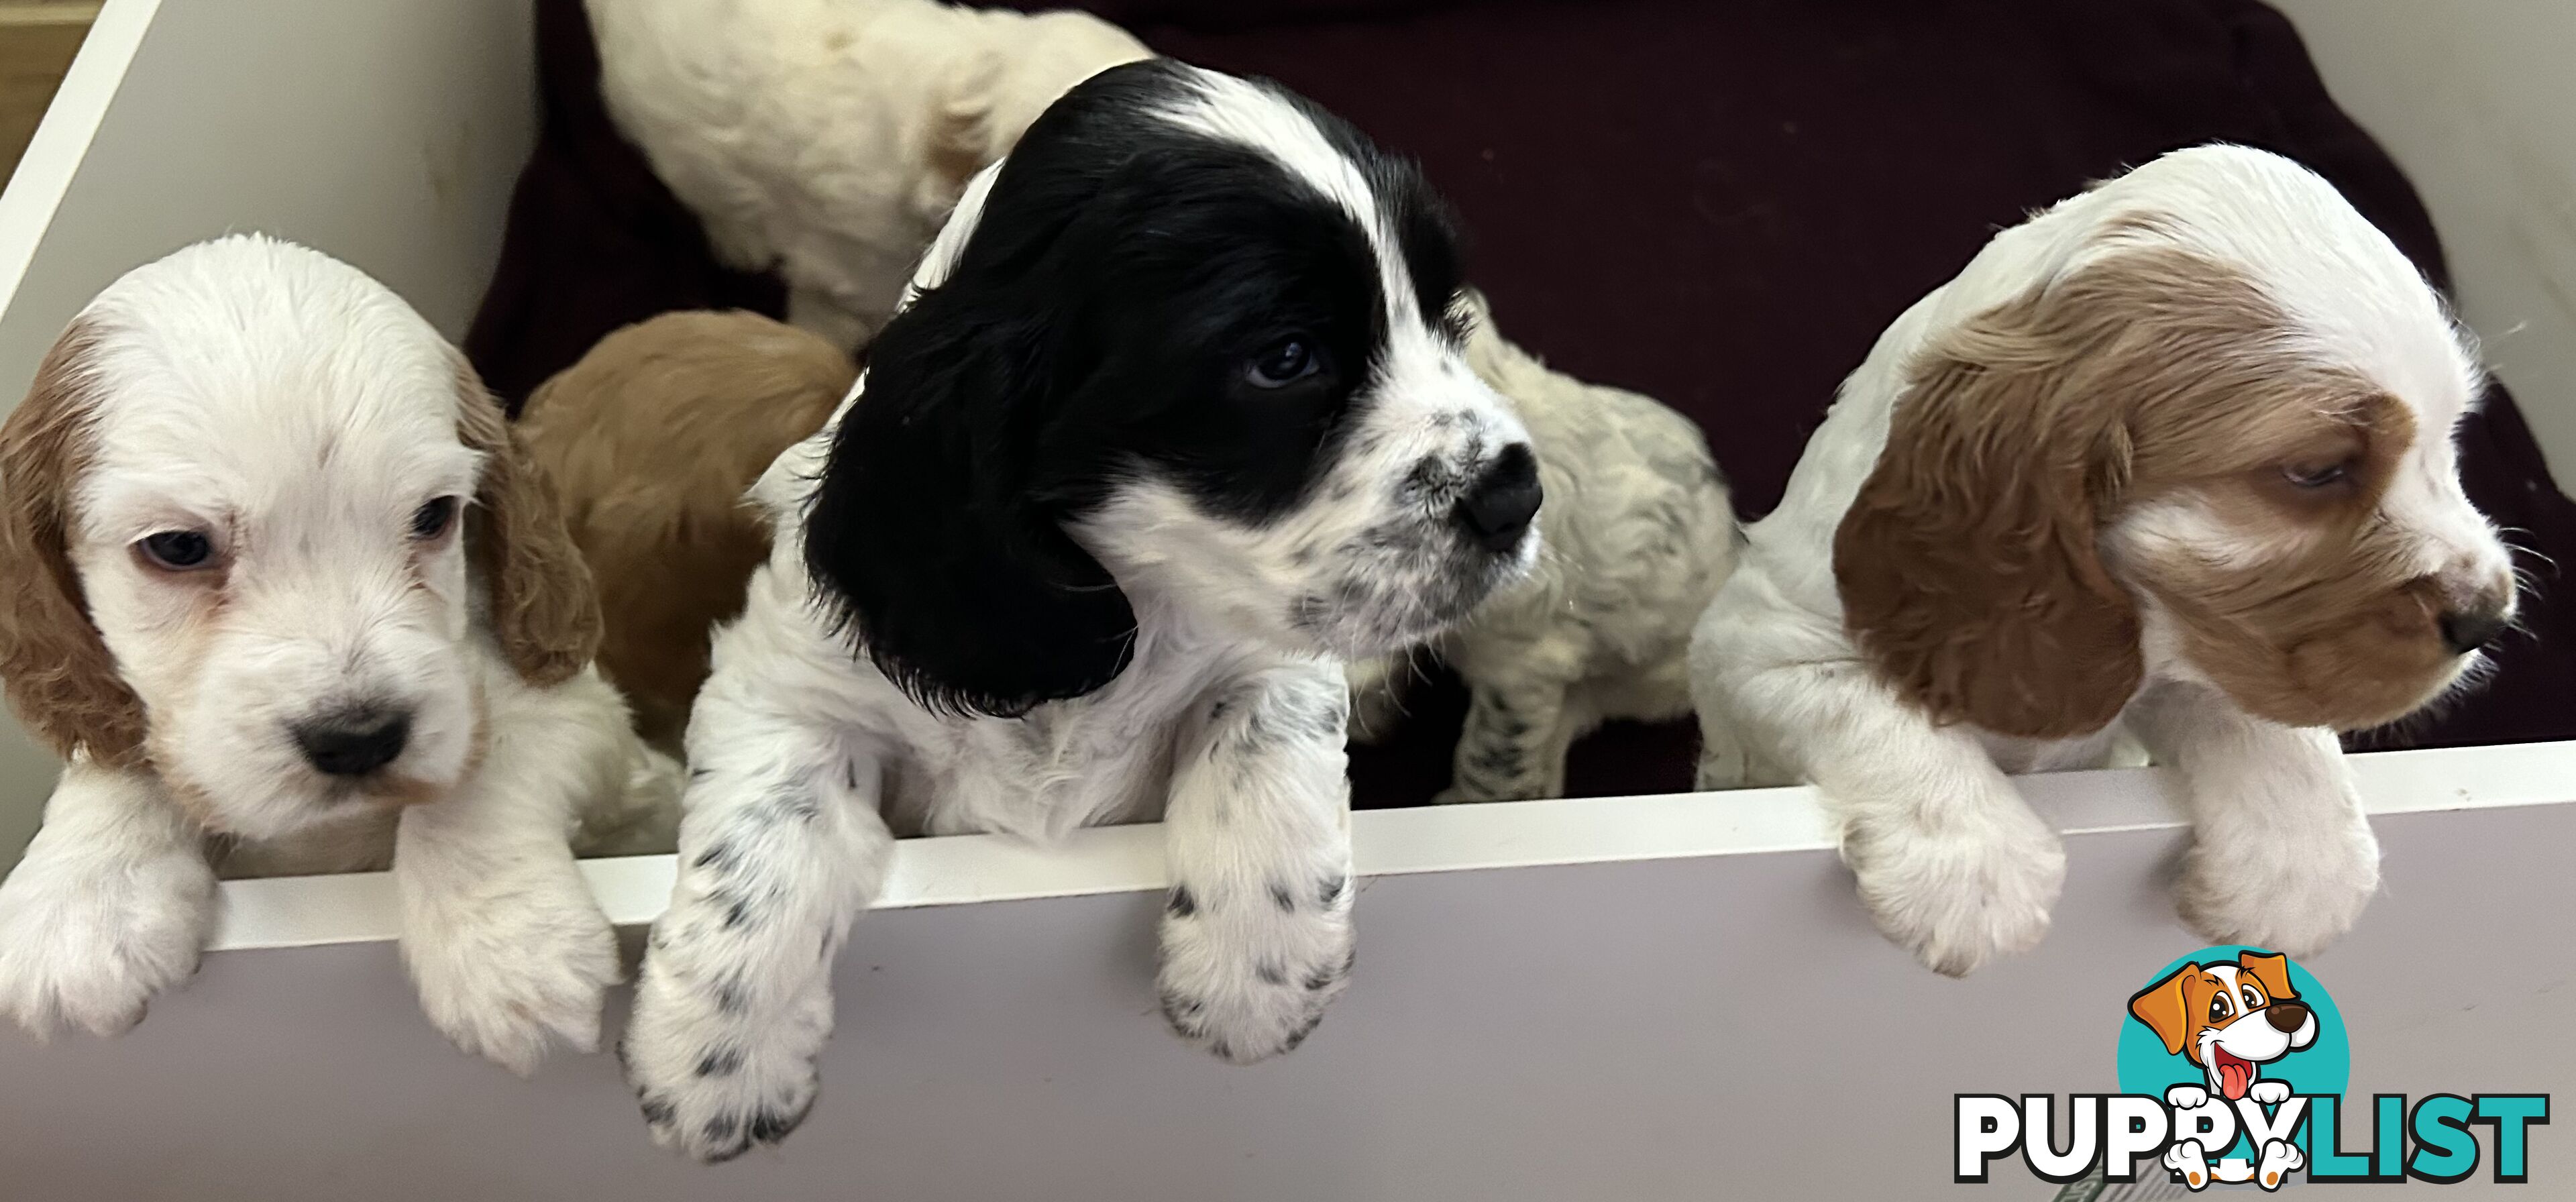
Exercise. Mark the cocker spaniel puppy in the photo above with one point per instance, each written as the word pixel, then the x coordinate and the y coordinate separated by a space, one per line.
pixel 289 598
pixel 650 441
pixel 828 139
pixel 1638 534
pixel 1179 421
pixel 2172 457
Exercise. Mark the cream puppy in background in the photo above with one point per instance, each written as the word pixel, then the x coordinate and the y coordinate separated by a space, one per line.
pixel 2172 458
pixel 289 597
pixel 828 139
pixel 1639 535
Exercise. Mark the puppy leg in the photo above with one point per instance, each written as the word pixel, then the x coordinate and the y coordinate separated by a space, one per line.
pixel 1513 746
pixel 1256 935
pixel 2282 856
pixel 1952 863
pixel 2186 1158
pixel 781 846
pixel 2280 1158
pixel 111 905
pixel 507 947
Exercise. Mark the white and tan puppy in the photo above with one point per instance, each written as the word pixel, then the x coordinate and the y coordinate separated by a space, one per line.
pixel 1638 535
pixel 828 139
pixel 2172 459
pixel 288 596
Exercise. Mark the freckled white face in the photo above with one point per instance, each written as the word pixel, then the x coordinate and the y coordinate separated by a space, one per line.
pixel 267 531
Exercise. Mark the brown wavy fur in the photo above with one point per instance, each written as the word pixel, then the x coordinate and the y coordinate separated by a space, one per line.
pixel 1968 563
pixel 62 681
pixel 651 440
pixel 545 615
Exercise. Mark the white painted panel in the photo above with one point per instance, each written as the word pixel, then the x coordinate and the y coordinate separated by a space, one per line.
pixel 2476 99
pixel 1717 1025
pixel 386 132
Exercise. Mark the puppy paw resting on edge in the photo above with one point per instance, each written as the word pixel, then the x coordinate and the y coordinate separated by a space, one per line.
pixel 1178 422
pixel 1639 535
pixel 2172 457
pixel 286 593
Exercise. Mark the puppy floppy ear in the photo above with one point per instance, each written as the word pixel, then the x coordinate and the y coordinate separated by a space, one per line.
pixel 2272 971
pixel 936 531
pixel 2165 1011
pixel 1967 564
pixel 62 681
pixel 545 615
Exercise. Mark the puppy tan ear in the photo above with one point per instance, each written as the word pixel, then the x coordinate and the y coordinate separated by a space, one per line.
pixel 2272 971
pixel 1967 563
pixel 545 615
pixel 61 679
pixel 2161 1006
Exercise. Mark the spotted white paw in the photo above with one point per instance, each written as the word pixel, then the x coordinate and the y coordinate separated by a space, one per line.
pixel 712 1082
pixel 2280 1158
pixel 2290 895
pixel 88 950
pixel 2187 1159
pixel 1958 898
pixel 2269 1093
pixel 506 973
pixel 1247 975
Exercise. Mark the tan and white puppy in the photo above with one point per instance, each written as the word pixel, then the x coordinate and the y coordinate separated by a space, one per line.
pixel 828 139
pixel 288 597
pixel 2173 459
pixel 2231 1020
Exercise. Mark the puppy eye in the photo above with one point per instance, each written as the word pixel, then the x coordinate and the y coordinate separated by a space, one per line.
pixel 2253 1000
pixel 2316 476
pixel 1283 363
pixel 178 550
pixel 431 520
pixel 2218 1008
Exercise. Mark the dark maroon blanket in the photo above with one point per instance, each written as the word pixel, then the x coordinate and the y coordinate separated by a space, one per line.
pixel 1717 204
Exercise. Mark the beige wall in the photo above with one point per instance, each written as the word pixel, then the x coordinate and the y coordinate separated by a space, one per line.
pixel 2477 100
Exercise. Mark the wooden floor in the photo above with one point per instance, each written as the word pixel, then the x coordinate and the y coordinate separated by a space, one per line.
pixel 37 40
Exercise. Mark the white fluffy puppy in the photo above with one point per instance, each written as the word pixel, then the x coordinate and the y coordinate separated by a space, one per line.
pixel 828 139
pixel 288 596
pixel 1639 535
pixel 2173 457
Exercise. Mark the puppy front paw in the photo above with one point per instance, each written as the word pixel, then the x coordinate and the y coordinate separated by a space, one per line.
pixel 2290 895
pixel 88 950
pixel 2186 1097
pixel 713 1083
pixel 2269 1093
pixel 2280 1158
pixel 2186 1159
pixel 1958 897
pixel 1248 977
pixel 506 976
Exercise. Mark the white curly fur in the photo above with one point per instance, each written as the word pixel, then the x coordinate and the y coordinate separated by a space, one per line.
pixel 1639 536
pixel 829 138
pixel 302 413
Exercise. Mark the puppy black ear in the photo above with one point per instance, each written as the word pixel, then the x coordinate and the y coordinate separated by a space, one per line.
pixel 936 533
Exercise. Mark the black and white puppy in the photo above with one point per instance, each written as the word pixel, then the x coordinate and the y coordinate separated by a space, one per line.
pixel 1175 421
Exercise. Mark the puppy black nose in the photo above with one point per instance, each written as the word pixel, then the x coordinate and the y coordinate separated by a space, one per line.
pixel 2464 632
pixel 353 744
pixel 1497 509
pixel 2286 1015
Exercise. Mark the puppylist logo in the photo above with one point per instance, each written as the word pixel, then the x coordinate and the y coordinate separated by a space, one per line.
pixel 2233 1068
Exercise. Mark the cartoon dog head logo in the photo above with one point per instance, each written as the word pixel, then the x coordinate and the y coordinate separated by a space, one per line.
pixel 2230 1019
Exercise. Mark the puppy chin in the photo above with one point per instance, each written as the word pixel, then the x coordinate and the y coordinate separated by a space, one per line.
pixel 1360 620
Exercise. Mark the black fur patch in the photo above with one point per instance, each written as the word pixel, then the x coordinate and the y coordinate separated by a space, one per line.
pixel 1180 904
pixel 1106 316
